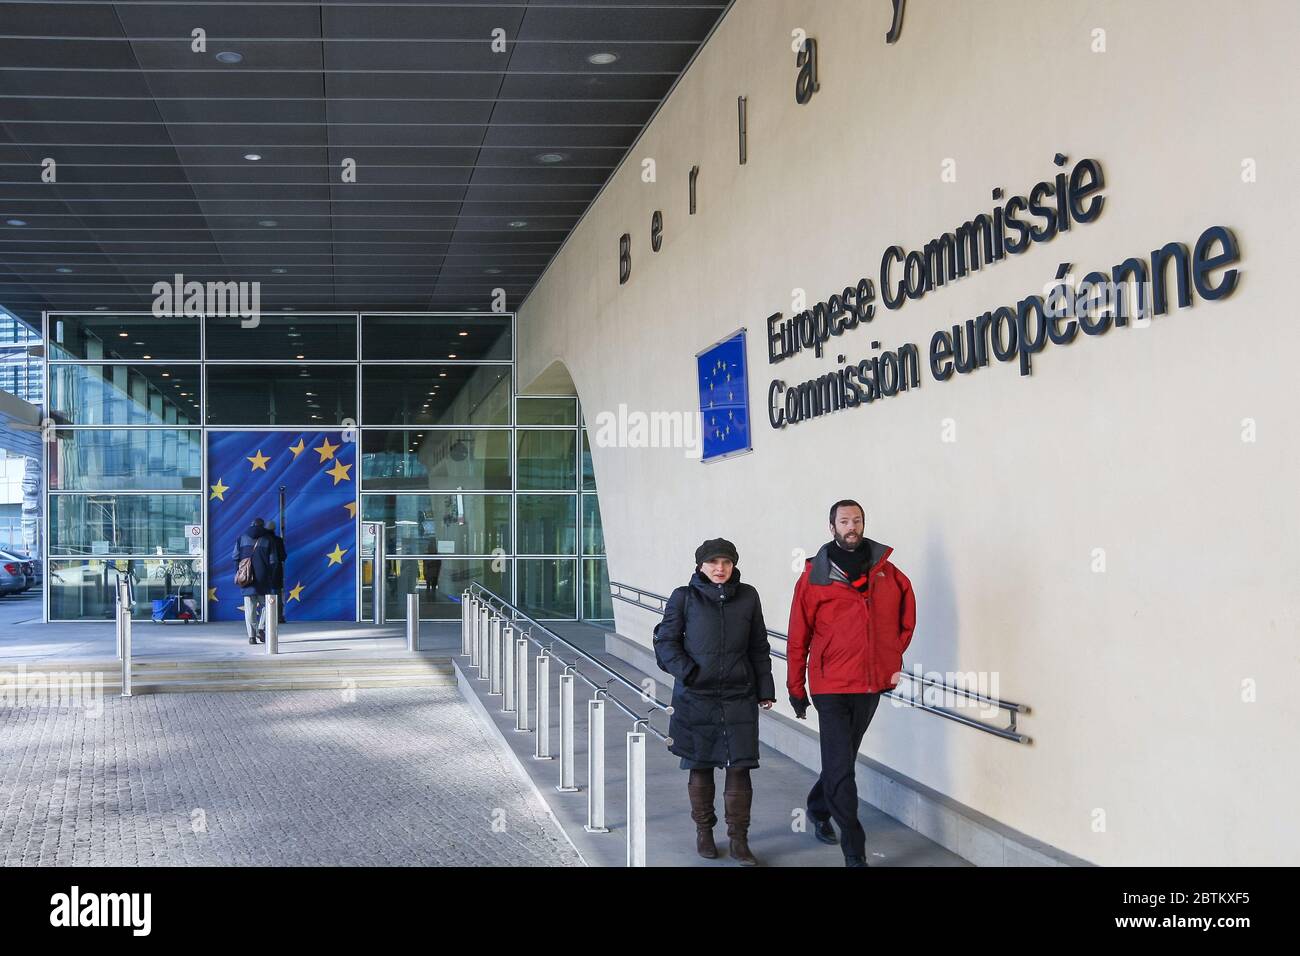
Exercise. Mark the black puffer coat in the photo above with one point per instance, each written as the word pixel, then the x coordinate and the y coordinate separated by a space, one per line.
pixel 714 642
pixel 260 544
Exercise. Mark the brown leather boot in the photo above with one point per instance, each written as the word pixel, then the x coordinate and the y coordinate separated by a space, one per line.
pixel 736 804
pixel 702 813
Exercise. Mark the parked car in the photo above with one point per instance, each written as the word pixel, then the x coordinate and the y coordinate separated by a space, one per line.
pixel 26 567
pixel 12 578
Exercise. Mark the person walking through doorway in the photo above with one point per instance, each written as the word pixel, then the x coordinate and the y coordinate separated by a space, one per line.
pixel 257 546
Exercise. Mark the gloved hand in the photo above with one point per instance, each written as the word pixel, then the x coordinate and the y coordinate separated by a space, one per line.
pixel 800 705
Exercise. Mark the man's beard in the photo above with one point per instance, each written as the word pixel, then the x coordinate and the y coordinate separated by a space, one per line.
pixel 847 547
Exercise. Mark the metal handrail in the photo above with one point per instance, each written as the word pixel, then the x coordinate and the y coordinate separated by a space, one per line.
pixel 620 592
pixel 514 614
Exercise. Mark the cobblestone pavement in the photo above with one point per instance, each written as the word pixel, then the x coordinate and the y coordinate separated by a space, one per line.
pixel 395 777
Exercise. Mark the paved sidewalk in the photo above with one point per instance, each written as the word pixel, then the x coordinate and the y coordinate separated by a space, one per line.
pixel 778 835
pixel 392 777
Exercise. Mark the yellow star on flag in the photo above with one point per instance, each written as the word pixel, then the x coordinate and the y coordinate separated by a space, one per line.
pixel 259 461
pixel 295 594
pixel 219 490
pixel 326 451
pixel 339 471
pixel 336 556
pixel 212 594
pixel 352 508
pixel 297 449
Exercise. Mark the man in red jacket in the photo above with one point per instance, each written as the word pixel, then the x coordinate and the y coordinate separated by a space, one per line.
pixel 852 617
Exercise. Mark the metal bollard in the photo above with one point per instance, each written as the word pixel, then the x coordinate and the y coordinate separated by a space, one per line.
pixel 126 650
pixel 273 624
pixel 484 616
pixel 474 660
pixel 635 799
pixel 596 766
pixel 413 622
pixel 543 748
pixel 122 610
pixel 507 670
pixel 464 623
pixel 567 782
pixel 521 684
pixel 494 656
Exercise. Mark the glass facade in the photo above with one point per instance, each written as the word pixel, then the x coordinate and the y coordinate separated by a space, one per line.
pixel 470 482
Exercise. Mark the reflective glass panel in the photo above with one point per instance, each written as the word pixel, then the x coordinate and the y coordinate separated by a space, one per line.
pixel 122 524
pixel 593 535
pixel 548 588
pixel 84 590
pixel 547 460
pixel 438 583
pixel 284 335
pixel 125 394
pixel 458 459
pixel 548 524
pixel 547 411
pixel 307 395
pixel 597 605
pixel 441 524
pixel 111 337
pixel 432 338
pixel 436 394
pixel 114 459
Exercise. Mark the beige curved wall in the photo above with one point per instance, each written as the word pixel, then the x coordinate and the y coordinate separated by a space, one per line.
pixel 1130 442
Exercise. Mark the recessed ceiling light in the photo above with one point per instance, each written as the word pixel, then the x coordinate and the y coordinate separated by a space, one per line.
pixel 451 356
pixel 279 272
pixel 287 308
pixel 473 308
pixel 146 356
pixel 63 269
pixel 230 56
pixel 518 223
pixel 267 222
pixel 551 157
pixel 101 308
pixel 15 222
pixel 137 343
pixel 166 374
pixel 492 272
pixel 123 335
pixel 301 356
pixel 463 333
pixel 602 59
pixel 252 157
pixel 442 375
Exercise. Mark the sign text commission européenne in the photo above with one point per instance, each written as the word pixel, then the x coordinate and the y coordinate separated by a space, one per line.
pixel 1134 289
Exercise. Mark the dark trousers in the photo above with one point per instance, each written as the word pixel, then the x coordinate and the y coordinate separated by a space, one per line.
pixel 843 720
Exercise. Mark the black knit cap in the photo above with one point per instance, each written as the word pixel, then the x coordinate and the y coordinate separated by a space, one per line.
pixel 716 548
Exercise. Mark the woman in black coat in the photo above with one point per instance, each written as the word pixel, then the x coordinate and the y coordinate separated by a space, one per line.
pixel 713 641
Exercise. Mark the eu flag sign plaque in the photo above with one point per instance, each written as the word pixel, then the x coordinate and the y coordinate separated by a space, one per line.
pixel 724 399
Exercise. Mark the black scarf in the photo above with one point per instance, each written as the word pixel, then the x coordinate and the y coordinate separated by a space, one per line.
pixel 852 563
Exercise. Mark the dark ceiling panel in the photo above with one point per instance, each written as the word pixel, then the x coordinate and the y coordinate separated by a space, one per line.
pixel 472 164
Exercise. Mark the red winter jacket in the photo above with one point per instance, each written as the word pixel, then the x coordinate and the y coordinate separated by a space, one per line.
pixel 847 641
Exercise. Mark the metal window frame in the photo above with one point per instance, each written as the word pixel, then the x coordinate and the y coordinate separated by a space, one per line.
pixel 360 363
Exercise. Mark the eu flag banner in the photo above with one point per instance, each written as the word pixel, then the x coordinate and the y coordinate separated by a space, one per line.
pixel 318 472
pixel 724 398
